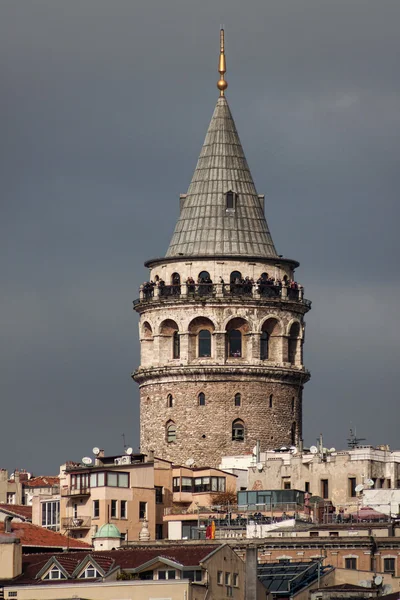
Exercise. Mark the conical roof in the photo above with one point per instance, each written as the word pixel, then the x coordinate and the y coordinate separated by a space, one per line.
pixel 206 227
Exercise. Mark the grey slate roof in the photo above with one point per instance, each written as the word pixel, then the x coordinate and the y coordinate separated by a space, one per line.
pixel 205 227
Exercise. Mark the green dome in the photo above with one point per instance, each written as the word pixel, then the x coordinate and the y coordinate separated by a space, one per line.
pixel 108 531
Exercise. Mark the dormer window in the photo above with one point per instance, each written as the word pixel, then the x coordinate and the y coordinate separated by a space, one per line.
pixel 231 199
pixel 89 573
pixel 54 573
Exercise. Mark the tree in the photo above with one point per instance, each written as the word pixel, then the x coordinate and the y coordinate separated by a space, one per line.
pixel 224 498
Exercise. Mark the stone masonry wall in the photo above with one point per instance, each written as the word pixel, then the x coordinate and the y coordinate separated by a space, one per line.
pixel 205 432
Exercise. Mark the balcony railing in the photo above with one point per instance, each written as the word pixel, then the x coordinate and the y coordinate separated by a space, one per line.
pixel 77 522
pixel 75 491
pixel 197 291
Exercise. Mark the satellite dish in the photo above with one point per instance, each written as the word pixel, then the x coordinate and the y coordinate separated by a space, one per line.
pixel 332 449
pixel 370 483
pixel 260 466
pixel 294 450
pixel 87 460
pixel 313 449
pixel 359 487
pixel 190 462
pixel 96 451
pixel 283 449
pixel 129 451
pixel 378 579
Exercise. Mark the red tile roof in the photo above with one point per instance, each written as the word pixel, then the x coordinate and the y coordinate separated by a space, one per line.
pixel 187 556
pixel 35 536
pixel 42 481
pixel 18 510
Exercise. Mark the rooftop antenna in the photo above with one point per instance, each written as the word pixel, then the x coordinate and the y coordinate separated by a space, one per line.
pixel 123 438
pixel 353 441
pixel 222 84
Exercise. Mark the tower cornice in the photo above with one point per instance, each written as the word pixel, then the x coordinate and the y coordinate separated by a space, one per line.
pixel 154 262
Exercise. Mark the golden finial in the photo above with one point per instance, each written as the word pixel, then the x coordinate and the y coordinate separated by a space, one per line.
pixel 222 84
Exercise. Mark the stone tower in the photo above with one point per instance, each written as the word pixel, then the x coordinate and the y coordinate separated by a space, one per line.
pixel 222 327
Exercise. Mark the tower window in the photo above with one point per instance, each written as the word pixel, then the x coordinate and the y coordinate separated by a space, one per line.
pixel 171 433
pixel 271 400
pixel 264 345
pixel 238 400
pixel 238 431
pixel 293 404
pixel 202 399
pixel 234 343
pixel 293 434
pixel 176 345
pixel 204 343
pixel 231 199
pixel 170 401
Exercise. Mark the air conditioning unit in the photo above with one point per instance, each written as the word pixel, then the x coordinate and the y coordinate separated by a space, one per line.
pixel 125 460
pixel 118 461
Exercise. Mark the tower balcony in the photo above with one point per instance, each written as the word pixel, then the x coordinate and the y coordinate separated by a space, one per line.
pixel 243 292
pixel 77 522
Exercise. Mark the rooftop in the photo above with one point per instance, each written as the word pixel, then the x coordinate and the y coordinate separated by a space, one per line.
pixel 33 536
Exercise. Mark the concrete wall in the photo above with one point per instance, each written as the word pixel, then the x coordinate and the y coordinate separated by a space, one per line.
pixel 10 558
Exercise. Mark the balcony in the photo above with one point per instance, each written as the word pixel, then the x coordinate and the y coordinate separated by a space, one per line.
pixel 244 292
pixel 67 492
pixel 77 523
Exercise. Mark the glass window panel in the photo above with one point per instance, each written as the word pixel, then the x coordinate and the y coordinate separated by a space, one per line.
pixel 123 480
pixel 100 479
pixel 93 480
pixel 235 343
pixel 112 479
pixel 204 343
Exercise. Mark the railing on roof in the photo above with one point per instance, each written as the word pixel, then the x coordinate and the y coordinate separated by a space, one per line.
pixel 197 291
pixel 75 491
pixel 76 522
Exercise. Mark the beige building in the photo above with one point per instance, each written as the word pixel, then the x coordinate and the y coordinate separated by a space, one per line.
pixel 222 326
pixel 329 475
pixel 194 572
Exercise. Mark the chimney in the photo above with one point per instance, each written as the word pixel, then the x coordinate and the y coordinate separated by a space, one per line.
pixel 101 454
pixel 7 524
pixel 251 572
pixel 150 456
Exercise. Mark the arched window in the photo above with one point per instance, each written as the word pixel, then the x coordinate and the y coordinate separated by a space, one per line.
pixel 238 400
pixel 176 352
pixel 204 343
pixel 271 400
pixel 294 344
pixel 204 277
pixel 175 279
pixel 170 401
pixel 238 431
pixel 202 399
pixel 231 199
pixel 264 345
pixel 171 432
pixel 234 343
pixel 293 434
pixel 234 276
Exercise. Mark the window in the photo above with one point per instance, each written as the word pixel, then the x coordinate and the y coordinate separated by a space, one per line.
pixel 333 534
pixel 204 343
pixel 234 343
pixel 220 578
pixel 117 479
pixel 324 488
pixel 171 574
pixel 235 580
pixel 270 400
pixel 54 573
pixel 194 575
pixel 89 573
pixel 293 404
pixel 142 510
pixel 159 494
pixel 187 484
pixel 159 531
pixel 230 200
pixel 208 484
pixel 227 579
pixel 293 434
pixel 237 400
pixel 114 510
pixel 171 433
pixel 124 505
pixel 176 484
pixel 307 487
pixel 352 487
pixel 51 515
pixel 176 345
pixel 238 431
pixel 314 533
pixel 389 565
pixel 96 509
pixel 286 485
pixel 12 594
pixel 264 345
pixel 202 399
pixel 204 276
pixel 10 497
pixel 350 563
pixel 170 401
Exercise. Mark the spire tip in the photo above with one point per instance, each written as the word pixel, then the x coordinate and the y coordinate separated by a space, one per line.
pixel 222 84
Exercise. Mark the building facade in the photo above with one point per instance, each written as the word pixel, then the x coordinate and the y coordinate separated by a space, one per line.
pixel 221 319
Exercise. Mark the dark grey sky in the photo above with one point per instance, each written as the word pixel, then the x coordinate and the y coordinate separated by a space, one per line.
pixel 103 110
